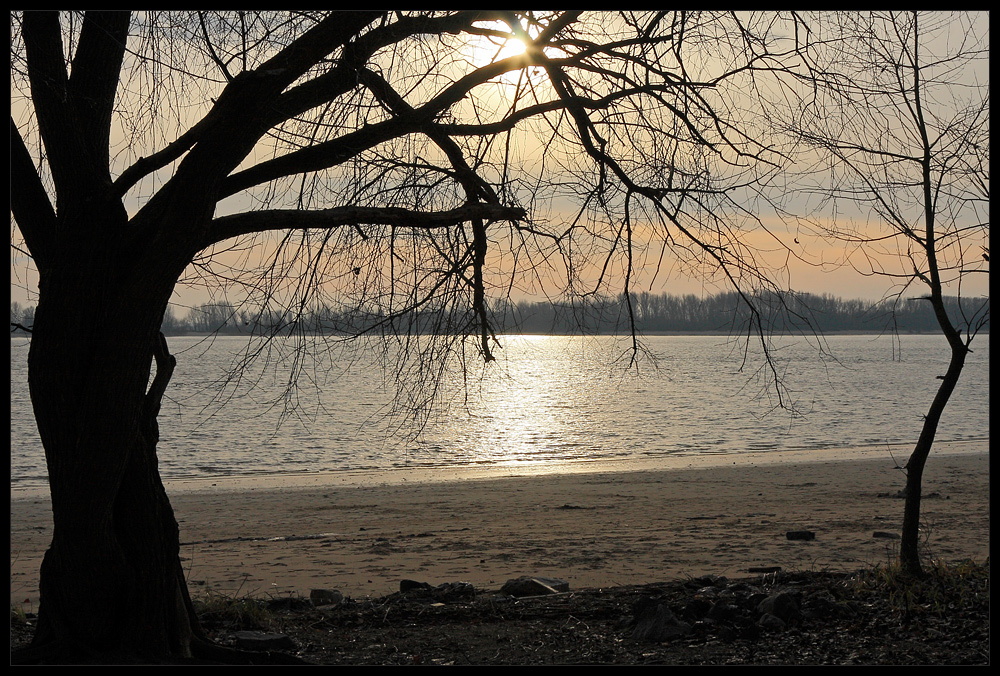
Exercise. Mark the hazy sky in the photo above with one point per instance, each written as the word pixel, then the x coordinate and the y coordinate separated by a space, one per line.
pixel 822 268
pixel 833 277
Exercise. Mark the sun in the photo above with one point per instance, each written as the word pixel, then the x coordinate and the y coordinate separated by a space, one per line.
pixel 496 44
pixel 509 48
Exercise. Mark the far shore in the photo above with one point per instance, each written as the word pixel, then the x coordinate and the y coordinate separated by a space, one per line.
pixel 594 525
pixel 847 332
pixel 721 332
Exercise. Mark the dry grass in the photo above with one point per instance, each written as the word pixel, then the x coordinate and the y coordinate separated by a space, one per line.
pixel 942 587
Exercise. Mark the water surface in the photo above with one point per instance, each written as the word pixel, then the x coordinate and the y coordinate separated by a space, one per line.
pixel 548 400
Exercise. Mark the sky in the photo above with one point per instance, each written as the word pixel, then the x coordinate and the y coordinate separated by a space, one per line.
pixel 821 270
pixel 833 277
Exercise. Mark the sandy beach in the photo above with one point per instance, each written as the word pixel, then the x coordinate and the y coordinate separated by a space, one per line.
pixel 594 526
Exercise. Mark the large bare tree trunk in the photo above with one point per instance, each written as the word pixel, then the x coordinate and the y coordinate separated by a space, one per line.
pixel 112 585
pixel 111 581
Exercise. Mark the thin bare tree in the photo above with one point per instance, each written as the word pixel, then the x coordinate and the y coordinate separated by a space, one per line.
pixel 895 119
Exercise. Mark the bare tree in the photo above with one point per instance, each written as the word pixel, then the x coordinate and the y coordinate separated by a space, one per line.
pixel 896 120
pixel 396 166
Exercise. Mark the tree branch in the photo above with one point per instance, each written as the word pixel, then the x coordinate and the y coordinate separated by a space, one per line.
pixel 29 202
pixel 266 82
pixel 165 364
pixel 94 77
pixel 331 153
pixel 326 87
pixel 226 227
pixel 47 74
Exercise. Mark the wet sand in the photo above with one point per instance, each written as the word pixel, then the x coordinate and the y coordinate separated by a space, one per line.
pixel 594 526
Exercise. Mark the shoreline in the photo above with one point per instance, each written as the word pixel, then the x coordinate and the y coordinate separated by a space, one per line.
pixel 595 526
pixel 444 474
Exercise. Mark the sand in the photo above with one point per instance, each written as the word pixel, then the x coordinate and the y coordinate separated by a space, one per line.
pixel 592 525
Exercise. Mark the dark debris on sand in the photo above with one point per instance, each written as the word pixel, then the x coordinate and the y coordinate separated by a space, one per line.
pixel 868 617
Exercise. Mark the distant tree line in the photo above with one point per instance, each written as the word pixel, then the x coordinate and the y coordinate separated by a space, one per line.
pixel 21 317
pixel 783 313
pixel 787 313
